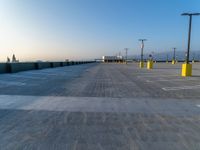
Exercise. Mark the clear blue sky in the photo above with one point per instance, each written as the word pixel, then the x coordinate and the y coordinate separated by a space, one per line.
pixel 83 29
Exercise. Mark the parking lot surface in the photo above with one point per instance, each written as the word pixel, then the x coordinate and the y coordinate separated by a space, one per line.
pixel 101 106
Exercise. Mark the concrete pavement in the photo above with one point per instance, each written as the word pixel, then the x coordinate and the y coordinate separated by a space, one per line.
pixel 101 107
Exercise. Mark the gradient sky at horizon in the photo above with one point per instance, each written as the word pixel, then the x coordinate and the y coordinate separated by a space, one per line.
pixel 86 29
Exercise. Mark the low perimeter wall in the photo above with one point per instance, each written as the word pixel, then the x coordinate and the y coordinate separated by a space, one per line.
pixel 3 68
pixel 17 67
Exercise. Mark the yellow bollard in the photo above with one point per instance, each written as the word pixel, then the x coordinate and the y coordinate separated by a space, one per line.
pixel 186 70
pixel 167 62
pixel 173 62
pixel 150 64
pixel 141 64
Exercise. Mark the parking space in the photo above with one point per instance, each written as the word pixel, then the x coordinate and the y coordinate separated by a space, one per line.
pixel 162 77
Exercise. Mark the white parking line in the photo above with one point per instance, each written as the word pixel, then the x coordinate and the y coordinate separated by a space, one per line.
pixel 198 105
pixel 49 73
pixel 42 74
pixel 155 76
pixel 11 83
pixel 168 80
pixel 149 81
pixel 28 77
pixel 144 73
pixel 181 88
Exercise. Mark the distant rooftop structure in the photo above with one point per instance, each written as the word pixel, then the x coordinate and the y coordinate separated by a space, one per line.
pixel 14 60
pixel 112 58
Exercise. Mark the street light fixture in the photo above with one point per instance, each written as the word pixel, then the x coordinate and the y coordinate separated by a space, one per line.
pixel 187 68
pixel 142 51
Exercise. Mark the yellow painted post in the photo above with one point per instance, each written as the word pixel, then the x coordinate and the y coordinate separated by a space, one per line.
pixel 186 70
pixel 150 64
pixel 173 62
pixel 141 64
pixel 167 62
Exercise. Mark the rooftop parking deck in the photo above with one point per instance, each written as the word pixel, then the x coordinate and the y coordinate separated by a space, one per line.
pixel 101 106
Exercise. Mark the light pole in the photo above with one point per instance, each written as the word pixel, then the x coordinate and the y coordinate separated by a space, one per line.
pixel 193 58
pixel 174 56
pixel 167 59
pixel 126 51
pixel 142 51
pixel 187 68
pixel 189 32
pixel 153 57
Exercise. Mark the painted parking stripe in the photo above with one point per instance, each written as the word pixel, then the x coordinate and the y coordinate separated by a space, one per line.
pixel 145 73
pixel 155 76
pixel 48 74
pixel 11 83
pixel 168 80
pixel 181 88
pixel 149 81
pixel 27 77
pixel 198 105
pixel 42 73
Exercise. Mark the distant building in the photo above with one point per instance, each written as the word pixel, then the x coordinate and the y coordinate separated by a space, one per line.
pixel 112 59
pixel 14 60
pixel 8 60
pixel 39 61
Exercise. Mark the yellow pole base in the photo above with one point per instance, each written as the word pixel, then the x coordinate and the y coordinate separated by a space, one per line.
pixel 167 62
pixel 186 70
pixel 173 62
pixel 150 64
pixel 141 64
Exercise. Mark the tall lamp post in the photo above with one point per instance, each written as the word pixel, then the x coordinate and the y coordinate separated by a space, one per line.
pixel 142 51
pixel 167 59
pixel 174 56
pixel 193 59
pixel 187 67
pixel 126 51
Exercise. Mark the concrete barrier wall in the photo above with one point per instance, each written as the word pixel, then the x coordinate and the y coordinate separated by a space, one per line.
pixel 3 68
pixel 42 65
pixel 56 64
pixel 61 64
pixel 17 67
pixel 65 63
